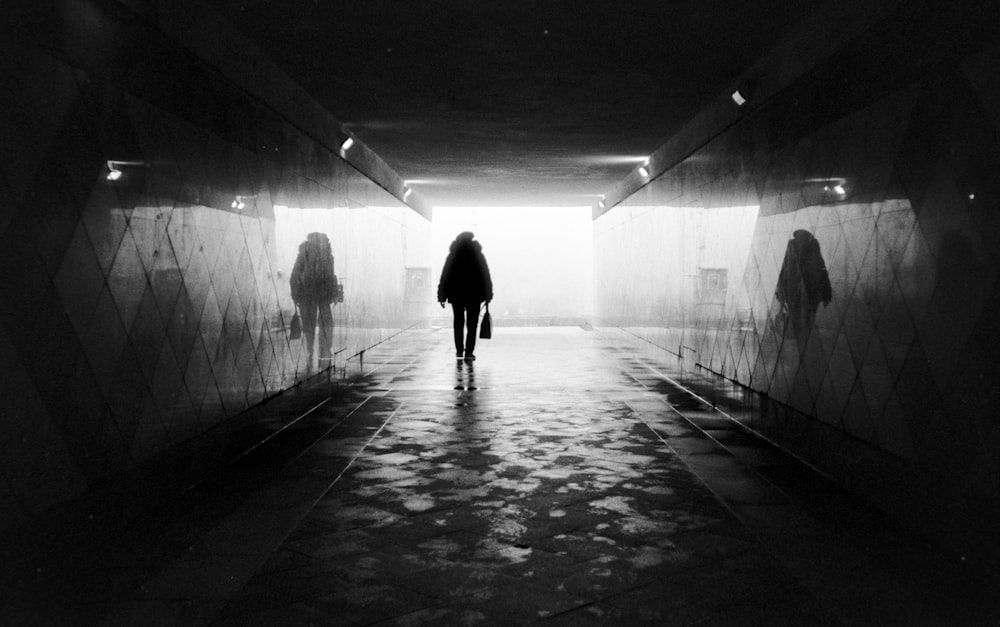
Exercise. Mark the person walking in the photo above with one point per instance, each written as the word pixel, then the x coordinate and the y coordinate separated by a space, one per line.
pixel 314 289
pixel 466 284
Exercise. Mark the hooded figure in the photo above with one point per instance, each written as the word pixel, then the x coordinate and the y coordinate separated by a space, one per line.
pixel 466 284
pixel 803 282
pixel 314 288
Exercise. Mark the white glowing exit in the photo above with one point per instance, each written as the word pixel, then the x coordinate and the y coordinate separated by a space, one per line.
pixel 541 258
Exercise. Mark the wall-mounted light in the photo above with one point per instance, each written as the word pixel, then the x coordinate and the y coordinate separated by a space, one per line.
pixel 407 193
pixel 113 172
pixel 347 144
pixel 837 187
pixel 601 204
pixel 643 171
pixel 743 93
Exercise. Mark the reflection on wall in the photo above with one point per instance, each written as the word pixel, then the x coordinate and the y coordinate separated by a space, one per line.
pixel 146 246
pixel 371 308
pixel 803 283
pixel 890 193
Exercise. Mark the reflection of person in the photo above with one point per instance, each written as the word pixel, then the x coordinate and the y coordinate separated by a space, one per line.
pixel 314 288
pixel 465 283
pixel 803 282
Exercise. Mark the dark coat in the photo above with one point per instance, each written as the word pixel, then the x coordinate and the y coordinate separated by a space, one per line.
pixel 465 278
pixel 803 282
pixel 313 280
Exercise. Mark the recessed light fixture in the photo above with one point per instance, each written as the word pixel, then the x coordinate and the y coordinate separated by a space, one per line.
pixel 834 185
pixel 643 171
pixel 739 98
pixel 347 144
pixel 407 193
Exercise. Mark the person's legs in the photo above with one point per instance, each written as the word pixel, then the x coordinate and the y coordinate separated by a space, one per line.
pixel 472 323
pixel 325 335
pixel 307 311
pixel 459 326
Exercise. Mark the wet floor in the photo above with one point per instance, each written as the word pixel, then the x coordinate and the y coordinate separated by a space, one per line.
pixel 564 477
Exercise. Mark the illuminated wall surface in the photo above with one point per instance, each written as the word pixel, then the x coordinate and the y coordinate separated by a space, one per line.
pixel 894 170
pixel 139 312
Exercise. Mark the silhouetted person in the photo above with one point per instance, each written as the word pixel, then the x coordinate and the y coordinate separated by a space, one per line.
pixel 314 289
pixel 465 283
pixel 803 282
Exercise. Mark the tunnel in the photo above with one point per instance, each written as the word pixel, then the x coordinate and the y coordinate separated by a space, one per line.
pixel 749 381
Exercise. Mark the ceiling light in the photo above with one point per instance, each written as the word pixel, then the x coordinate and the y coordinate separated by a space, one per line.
pixel 407 193
pixel 601 204
pixel 738 98
pixel 347 144
pixel 238 203
pixel 643 171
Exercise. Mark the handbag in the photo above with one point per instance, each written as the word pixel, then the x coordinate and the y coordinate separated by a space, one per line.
pixel 486 328
pixel 295 329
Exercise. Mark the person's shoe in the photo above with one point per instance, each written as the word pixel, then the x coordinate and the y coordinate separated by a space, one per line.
pixel 470 357
pixel 458 355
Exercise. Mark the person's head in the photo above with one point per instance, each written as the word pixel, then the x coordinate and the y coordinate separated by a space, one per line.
pixel 318 241
pixel 464 241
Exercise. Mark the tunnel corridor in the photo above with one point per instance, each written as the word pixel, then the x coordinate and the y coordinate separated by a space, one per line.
pixel 743 377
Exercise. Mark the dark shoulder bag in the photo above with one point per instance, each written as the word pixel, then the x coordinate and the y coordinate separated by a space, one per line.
pixel 486 328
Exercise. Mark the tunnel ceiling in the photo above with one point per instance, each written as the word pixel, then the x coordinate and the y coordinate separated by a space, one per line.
pixel 514 102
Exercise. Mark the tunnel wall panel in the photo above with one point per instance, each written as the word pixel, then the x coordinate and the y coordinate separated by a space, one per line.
pixel 889 162
pixel 140 312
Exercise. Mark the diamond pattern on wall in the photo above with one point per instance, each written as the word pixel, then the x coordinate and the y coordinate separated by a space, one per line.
pixel 140 312
pixel 909 247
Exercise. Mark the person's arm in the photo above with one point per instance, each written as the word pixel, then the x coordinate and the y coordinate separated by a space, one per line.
pixel 487 279
pixel 295 281
pixel 442 291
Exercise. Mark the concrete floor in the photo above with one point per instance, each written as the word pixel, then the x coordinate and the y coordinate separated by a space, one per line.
pixel 564 478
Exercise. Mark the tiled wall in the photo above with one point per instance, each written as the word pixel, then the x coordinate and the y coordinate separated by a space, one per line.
pixel 891 162
pixel 139 312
